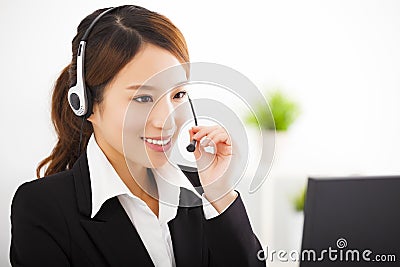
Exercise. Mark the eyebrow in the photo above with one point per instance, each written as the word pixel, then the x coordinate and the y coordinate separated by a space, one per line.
pixel 137 86
pixel 148 87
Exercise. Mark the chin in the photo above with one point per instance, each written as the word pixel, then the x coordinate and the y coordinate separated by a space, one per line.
pixel 158 163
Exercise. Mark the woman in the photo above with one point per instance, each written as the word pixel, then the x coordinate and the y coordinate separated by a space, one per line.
pixel 103 207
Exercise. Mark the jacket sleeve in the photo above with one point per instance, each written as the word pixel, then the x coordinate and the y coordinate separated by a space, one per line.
pixel 38 230
pixel 230 238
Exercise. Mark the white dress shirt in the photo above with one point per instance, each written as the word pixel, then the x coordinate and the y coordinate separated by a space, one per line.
pixel 154 232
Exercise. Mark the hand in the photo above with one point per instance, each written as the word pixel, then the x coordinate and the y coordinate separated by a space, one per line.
pixel 213 167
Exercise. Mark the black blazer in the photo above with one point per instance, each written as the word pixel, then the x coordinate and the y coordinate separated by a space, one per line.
pixel 51 226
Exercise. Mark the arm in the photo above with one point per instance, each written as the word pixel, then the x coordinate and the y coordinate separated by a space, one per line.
pixel 38 229
pixel 212 210
pixel 230 238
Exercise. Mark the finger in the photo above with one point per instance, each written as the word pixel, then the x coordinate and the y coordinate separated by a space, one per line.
pixel 191 133
pixel 220 138
pixel 208 138
pixel 203 157
pixel 205 141
pixel 199 127
pixel 216 132
pixel 198 149
pixel 220 144
pixel 203 131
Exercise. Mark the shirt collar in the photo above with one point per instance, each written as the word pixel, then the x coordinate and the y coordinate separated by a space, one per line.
pixel 105 182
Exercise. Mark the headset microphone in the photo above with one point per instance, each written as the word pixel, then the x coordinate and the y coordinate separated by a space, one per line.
pixel 192 146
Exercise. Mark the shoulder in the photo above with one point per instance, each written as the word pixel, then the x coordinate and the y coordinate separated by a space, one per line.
pixel 44 190
pixel 39 221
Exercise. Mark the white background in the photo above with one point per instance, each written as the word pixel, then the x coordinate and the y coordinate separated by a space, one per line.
pixel 339 59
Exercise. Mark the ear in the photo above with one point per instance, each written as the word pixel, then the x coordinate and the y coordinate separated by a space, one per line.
pixel 94 117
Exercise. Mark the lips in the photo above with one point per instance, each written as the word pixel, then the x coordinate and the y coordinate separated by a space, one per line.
pixel 157 140
pixel 160 145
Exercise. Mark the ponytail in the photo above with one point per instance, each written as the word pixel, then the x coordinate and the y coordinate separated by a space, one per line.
pixel 67 126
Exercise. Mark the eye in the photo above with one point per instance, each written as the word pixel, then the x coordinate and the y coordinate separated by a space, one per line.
pixel 143 99
pixel 181 93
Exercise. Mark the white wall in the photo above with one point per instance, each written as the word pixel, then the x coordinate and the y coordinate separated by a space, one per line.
pixel 339 59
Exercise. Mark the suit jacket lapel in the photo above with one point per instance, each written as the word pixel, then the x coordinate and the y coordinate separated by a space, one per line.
pixel 111 229
pixel 116 237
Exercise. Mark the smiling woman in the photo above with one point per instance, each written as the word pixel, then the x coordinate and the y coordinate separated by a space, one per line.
pixel 113 204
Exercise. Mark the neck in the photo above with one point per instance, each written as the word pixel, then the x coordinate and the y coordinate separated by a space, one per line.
pixel 135 177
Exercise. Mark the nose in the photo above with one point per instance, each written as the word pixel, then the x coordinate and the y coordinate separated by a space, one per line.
pixel 162 114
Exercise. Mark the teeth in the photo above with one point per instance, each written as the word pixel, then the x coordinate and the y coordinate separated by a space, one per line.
pixel 157 142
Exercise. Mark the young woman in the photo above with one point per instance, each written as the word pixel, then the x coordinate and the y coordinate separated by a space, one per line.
pixel 102 206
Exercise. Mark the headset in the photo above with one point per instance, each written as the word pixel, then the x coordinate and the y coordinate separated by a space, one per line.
pixel 80 97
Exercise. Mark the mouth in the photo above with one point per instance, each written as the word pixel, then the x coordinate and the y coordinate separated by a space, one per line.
pixel 157 140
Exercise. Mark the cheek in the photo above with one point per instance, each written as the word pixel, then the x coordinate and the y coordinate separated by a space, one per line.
pixel 115 119
pixel 134 128
pixel 183 115
pixel 112 124
pixel 179 122
pixel 135 120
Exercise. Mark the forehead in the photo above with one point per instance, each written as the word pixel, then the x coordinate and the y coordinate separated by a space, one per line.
pixel 153 66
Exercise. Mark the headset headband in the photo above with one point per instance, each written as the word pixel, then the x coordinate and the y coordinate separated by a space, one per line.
pixel 79 98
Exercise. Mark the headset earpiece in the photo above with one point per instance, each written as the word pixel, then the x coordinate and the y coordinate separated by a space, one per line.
pixel 77 95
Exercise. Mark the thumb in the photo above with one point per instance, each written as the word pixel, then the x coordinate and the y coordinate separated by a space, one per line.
pixel 196 151
pixel 203 159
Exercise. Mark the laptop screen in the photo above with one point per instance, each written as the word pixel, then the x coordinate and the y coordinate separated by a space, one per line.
pixel 352 222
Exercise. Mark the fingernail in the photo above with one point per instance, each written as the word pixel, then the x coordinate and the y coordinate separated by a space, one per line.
pixel 204 142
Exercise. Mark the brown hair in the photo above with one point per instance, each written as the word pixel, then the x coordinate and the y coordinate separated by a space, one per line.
pixel 112 43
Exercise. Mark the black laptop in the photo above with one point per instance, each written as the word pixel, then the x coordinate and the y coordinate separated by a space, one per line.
pixel 353 221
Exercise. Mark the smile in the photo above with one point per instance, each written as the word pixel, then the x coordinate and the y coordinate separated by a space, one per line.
pixel 158 142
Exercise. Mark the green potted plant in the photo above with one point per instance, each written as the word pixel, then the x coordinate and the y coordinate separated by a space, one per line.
pixel 284 112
